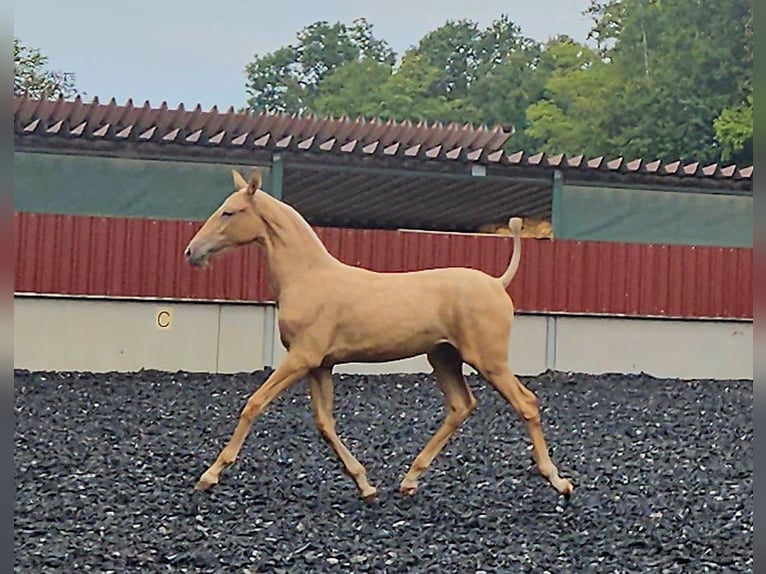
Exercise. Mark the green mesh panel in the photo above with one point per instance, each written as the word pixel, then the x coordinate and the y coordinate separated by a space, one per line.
pixel 85 185
pixel 648 216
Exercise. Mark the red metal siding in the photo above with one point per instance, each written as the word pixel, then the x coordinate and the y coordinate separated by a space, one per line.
pixel 116 257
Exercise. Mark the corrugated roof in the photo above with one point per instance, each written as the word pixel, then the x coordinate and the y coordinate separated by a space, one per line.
pixel 76 119
pixel 345 137
pixel 356 199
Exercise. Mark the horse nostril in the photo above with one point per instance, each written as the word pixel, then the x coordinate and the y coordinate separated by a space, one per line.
pixel 187 253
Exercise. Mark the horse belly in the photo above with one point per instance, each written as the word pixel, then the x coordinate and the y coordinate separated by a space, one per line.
pixel 386 340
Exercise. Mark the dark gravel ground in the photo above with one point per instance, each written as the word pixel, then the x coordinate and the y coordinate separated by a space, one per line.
pixel 105 466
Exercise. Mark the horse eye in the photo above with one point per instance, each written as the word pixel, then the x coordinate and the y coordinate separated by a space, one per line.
pixel 227 214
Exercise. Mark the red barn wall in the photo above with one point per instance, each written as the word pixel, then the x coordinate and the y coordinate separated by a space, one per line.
pixel 122 257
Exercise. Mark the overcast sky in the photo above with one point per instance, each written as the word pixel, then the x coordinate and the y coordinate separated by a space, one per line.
pixel 195 51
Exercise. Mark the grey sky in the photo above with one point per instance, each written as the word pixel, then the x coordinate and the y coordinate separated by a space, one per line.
pixel 193 51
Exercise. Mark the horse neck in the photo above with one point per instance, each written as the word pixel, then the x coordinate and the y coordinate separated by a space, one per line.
pixel 291 246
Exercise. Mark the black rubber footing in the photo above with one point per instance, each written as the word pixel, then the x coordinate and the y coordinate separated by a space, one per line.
pixel 105 467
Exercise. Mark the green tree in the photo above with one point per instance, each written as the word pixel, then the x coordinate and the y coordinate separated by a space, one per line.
pixel 575 114
pixel 412 93
pixel 454 51
pixel 288 79
pixel 509 79
pixel 376 90
pixel 667 80
pixel 355 89
pixel 31 75
pixel 734 126
pixel 681 63
pixel 734 131
pixel 494 72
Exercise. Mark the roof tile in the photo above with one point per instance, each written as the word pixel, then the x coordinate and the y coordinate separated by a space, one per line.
pixel 474 155
pixel 285 141
pixel 328 145
pixel 495 156
pixel 710 170
pixel 671 168
pixel 452 142
pixel 434 152
pixel 516 157
pixel 595 162
pixel 239 140
pixel 348 147
pixel 217 138
pixel 555 160
pixel 575 161
pixel 391 149
pixel 653 166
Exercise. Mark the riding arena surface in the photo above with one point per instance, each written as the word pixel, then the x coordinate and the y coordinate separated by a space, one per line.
pixel 105 466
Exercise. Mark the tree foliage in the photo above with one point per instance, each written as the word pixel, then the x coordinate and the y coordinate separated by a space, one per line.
pixel 574 110
pixel 288 79
pixel 656 79
pixel 682 63
pixel 32 76
pixel 734 131
pixel 409 91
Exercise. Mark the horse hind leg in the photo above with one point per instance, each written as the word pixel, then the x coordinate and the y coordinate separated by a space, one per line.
pixel 459 403
pixel 525 403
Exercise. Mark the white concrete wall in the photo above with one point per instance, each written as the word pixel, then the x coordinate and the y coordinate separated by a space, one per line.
pixel 242 341
pixel 114 335
pixel 108 335
pixel 684 349
pixel 96 335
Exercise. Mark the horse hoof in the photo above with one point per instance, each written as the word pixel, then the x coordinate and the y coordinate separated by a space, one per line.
pixel 370 495
pixel 205 482
pixel 408 489
pixel 566 489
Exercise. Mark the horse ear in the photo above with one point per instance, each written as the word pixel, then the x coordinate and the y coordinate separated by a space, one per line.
pixel 255 182
pixel 239 181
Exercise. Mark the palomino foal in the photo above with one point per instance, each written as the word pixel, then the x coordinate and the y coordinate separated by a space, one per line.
pixel 332 313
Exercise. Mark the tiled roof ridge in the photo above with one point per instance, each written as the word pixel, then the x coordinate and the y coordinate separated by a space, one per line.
pixel 266 130
pixel 195 126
